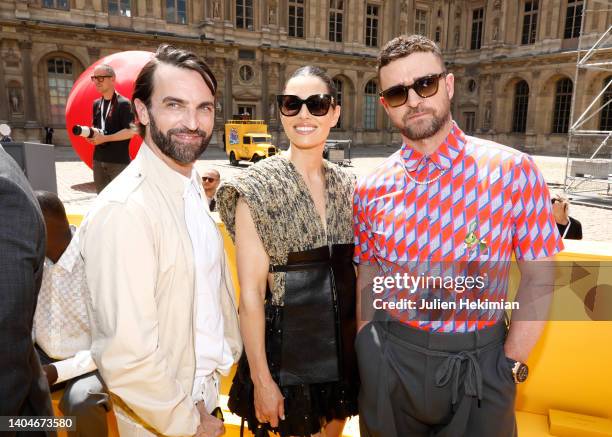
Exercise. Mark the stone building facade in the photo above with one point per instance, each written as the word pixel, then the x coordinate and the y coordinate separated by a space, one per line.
pixel 514 60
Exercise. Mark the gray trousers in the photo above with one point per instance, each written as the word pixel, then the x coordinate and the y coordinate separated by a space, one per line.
pixel 85 397
pixel 422 384
pixel 105 172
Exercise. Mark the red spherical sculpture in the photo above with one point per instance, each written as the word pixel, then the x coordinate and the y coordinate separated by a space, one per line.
pixel 79 107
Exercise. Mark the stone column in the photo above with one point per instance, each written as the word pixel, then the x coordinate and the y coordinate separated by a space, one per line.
pixel 228 92
pixel 28 85
pixel 282 77
pixel 359 99
pixel 533 119
pixel 283 15
pixel 227 11
pixel 264 91
pixel 552 25
pixel 3 95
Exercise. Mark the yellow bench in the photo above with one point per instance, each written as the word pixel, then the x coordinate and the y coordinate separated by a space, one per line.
pixel 568 367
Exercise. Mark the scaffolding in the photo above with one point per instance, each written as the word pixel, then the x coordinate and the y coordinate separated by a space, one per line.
pixel 592 177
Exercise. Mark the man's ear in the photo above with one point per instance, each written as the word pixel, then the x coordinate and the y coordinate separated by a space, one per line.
pixel 449 82
pixel 141 112
pixel 384 104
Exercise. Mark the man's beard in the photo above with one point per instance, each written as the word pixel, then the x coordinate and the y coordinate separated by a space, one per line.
pixel 178 151
pixel 418 132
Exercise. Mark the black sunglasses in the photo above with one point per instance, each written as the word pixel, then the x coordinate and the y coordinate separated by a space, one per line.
pixel 425 87
pixel 99 78
pixel 317 104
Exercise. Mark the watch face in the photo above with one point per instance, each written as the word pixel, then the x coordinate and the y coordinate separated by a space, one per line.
pixel 522 373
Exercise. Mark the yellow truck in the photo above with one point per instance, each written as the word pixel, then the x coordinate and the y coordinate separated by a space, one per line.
pixel 248 140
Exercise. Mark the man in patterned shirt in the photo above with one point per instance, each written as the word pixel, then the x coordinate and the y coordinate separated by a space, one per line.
pixel 438 359
pixel 61 325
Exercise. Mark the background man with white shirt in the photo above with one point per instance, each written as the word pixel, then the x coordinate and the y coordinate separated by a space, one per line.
pixel 161 294
pixel 61 325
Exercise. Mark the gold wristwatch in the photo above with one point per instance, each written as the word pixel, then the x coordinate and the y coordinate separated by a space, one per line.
pixel 520 371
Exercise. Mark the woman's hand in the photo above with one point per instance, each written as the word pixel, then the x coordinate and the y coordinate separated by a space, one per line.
pixel 269 403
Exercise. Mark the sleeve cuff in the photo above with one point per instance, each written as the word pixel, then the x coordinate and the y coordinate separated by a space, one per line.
pixel 78 365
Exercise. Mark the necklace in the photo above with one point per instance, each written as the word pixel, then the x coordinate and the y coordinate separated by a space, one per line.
pixel 426 182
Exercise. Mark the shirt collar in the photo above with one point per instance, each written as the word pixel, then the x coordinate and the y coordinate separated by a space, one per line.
pixel 192 183
pixel 443 157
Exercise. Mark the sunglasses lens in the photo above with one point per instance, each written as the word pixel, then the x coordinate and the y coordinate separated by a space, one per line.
pixel 318 105
pixel 426 87
pixel 396 96
pixel 289 105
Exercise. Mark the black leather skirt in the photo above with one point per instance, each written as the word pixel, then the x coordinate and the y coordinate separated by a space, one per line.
pixel 309 344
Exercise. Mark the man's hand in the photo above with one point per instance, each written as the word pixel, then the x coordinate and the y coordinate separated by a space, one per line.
pixel 209 426
pixel 98 139
pixel 50 373
pixel 560 209
pixel 269 403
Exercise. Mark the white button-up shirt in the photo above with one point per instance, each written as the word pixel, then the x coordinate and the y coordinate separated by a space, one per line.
pixel 212 351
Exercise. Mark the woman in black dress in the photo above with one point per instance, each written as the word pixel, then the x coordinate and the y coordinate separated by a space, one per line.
pixel 291 219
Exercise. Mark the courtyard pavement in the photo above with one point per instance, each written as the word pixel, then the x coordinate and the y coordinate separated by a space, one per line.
pixel 76 189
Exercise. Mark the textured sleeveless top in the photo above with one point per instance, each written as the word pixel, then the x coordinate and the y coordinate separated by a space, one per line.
pixel 284 212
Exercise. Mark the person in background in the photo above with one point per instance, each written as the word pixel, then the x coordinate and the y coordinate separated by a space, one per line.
pixel 569 227
pixel 211 179
pixel 112 114
pixel 62 330
pixel 23 387
pixel 49 135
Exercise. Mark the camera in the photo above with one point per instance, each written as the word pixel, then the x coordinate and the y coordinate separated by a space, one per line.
pixel 86 131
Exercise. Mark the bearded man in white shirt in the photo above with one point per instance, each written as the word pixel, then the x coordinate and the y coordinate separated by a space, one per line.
pixel 165 321
pixel 61 329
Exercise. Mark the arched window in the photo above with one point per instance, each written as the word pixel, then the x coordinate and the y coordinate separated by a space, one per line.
pixel 369 107
pixel 605 122
pixel 339 85
pixel 563 104
pixel 60 78
pixel 521 103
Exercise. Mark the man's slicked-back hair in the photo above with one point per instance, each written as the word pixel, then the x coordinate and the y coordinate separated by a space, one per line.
pixel 405 45
pixel 167 54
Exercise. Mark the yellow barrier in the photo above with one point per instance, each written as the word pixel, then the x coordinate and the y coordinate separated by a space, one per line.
pixel 568 367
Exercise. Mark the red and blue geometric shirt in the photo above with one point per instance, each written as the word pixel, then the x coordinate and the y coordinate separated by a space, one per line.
pixel 477 203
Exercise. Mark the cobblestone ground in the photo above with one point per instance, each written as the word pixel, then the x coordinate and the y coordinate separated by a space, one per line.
pixel 75 183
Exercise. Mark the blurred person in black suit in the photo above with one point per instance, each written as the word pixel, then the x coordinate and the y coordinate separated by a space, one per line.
pixel 23 386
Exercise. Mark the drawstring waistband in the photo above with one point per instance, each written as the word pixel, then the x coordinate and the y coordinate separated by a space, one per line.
pixel 451 369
